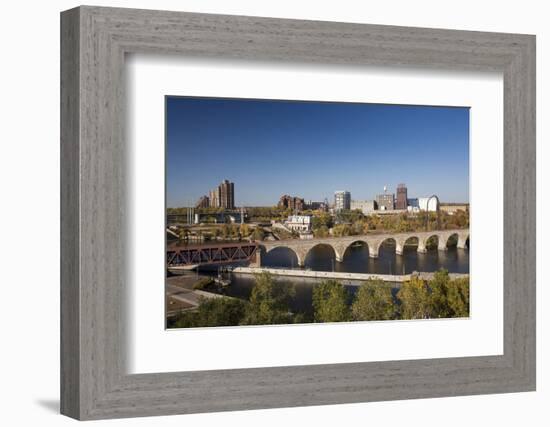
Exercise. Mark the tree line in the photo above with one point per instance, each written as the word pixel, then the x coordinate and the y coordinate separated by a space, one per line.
pixel 354 222
pixel 269 303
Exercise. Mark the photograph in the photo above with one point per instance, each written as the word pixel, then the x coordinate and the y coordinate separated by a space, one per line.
pixel 293 212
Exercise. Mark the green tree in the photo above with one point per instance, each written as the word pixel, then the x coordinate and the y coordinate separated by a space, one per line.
pixel 258 234
pixel 440 297
pixel 449 298
pixel 330 302
pixel 373 301
pixel 404 224
pixel 341 230
pixel 358 227
pixel 458 296
pixel 414 297
pixel 373 222
pixel 269 302
pixel 322 231
pixel 439 285
pixel 217 231
pixel 351 215
pixel 244 230
pixel 324 219
pixel 213 312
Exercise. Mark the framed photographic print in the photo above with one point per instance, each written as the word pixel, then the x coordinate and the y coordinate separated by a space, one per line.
pixel 249 253
pixel 281 212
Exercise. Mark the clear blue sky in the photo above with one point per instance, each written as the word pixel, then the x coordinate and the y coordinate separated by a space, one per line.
pixel 311 149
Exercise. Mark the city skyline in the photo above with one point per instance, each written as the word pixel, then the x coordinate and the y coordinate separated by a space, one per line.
pixel 312 149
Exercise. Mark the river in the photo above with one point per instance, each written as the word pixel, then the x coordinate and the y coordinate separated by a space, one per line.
pixel 356 260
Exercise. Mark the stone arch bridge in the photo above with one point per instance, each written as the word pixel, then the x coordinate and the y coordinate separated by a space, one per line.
pixel 373 241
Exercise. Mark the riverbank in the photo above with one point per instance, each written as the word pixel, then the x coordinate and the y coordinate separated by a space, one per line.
pixel 181 294
pixel 340 275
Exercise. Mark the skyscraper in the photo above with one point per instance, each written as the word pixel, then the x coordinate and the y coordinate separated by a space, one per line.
pixel 227 195
pixel 342 200
pixel 401 201
pixel 215 198
pixel 203 202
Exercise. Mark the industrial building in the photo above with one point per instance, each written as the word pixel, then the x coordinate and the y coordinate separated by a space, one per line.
pixel 293 203
pixel 386 201
pixel 365 206
pixel 430 204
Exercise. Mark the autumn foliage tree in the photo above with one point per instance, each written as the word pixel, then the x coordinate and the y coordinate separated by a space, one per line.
pixel 213 312
pixel 458 297
pixel 269 302
pixel 330 302
pixel 440 297
pixel 373 301
pixel 414 297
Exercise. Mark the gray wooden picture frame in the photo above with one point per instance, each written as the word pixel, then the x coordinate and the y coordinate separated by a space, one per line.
pixel 94 382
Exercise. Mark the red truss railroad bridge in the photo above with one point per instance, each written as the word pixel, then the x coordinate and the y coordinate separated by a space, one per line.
pixel 215 253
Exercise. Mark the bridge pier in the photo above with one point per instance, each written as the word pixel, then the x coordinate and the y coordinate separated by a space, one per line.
pixel 373 252
pixel 339 251
pixel 421 247
pixel 461 243
pixel 399 249
pixel 441 244
pixel 301 254
pixel 257 259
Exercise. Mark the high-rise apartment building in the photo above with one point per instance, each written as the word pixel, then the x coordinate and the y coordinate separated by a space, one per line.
pixel 215 198
pixel 401 199
pixel 223 196
pixel 203 202
pixel 342 200
pixel 227 195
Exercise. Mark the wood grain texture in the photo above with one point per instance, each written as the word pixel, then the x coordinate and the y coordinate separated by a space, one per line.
pixel 70 180
pixel 94 382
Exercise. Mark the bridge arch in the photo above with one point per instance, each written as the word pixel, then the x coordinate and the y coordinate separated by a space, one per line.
pixel 408 240
pixel 451 240
pixel 374 241
pixel 297 255
pixel 424 243
pixel 336 252
pixel 374 250
pixel 346 247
